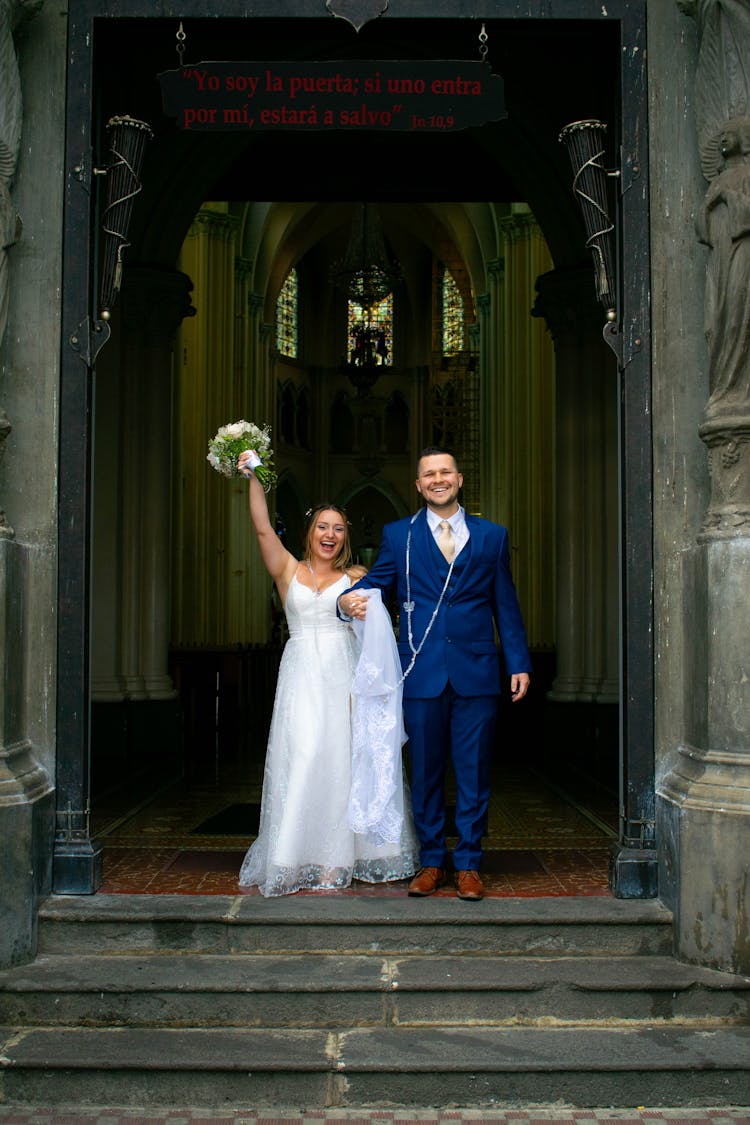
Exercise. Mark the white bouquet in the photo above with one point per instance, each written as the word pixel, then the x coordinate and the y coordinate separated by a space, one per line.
pixel 236 438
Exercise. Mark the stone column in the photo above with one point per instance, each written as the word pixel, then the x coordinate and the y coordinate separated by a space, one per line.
pixel 529 424
pixel 708 788
pixel 154 304
pixel 26 789
pixel 10 143
pixel 261 397
pixel 204 400
pixel 586 480
pixel 248 584
pixel 517 419
pixel 489 390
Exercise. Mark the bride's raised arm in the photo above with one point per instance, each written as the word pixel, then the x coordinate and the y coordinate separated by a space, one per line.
pixel 280 563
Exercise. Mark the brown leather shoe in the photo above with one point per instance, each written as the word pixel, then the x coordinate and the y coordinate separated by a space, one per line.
pixel 426 881
pixel 469 885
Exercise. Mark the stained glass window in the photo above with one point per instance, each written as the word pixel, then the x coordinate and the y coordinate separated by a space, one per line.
pixel 453 316
pixel 370 333
pixel 286 317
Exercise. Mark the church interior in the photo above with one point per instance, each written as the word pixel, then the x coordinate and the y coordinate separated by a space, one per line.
pixel 238 302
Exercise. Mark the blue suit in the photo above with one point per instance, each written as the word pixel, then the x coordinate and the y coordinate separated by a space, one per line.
pixel 451 691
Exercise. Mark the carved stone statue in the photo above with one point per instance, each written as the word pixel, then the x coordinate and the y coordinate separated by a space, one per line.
pixel 722 101
pixel 724 227
pixel 723 70
pixel 722 107
pixel 11 12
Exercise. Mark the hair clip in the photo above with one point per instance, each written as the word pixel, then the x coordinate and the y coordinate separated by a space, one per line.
pixel 323 507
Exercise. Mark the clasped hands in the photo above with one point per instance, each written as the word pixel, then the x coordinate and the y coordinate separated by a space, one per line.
pixel 354 604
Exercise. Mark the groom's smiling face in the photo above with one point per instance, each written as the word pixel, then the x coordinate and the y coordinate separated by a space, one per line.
pixel 439 482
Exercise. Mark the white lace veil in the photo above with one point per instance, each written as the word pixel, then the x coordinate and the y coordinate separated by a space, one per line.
pixel 376 801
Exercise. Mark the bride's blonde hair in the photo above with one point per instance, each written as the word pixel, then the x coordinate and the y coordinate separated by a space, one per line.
pixel 344 558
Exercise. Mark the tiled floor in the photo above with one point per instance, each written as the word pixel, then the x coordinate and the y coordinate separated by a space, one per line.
pixel 724 1115
pixel 541 841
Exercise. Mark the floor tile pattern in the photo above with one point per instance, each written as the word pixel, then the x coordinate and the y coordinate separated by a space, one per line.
pixel 101 1116
pixel 542 841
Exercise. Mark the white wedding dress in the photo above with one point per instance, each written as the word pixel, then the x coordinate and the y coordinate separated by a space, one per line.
pixel 304 840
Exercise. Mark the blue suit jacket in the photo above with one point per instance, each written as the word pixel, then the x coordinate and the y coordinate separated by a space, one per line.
pixel 461 646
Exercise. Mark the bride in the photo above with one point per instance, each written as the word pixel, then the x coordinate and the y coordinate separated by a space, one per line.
pixel 304 840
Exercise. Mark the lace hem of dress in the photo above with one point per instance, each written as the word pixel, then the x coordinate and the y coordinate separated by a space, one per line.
pixel 388 870
pixel 314 877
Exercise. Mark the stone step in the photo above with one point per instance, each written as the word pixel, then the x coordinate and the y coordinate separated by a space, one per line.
pixel 417 1067
pixel 355 990
pixel 344 1001
pixel 318 923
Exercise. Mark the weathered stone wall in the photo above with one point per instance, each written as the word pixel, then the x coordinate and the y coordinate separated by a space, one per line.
pixel 29 373
pixel 680 379
pixel 700 184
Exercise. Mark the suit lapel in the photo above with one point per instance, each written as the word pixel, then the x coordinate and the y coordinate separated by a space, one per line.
pixel 462 568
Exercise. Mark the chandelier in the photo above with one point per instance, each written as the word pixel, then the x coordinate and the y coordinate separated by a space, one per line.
pixel 366 274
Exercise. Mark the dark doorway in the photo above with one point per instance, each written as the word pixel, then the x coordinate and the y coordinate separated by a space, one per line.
pixel 555 70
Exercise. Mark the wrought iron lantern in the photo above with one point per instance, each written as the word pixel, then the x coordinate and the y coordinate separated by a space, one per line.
pixel 585 144
pixel 127 146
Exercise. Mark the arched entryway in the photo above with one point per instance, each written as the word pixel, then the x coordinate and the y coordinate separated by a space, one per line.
pixel 544 456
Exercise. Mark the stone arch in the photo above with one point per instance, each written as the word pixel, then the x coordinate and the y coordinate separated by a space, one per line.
pixel 513 159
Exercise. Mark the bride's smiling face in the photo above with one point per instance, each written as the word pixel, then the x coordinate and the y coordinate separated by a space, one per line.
pixel 328 537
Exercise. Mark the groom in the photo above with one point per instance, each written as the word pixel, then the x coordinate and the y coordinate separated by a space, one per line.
pixel 452 574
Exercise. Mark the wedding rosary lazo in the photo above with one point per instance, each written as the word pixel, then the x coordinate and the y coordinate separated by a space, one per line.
pixel 409 604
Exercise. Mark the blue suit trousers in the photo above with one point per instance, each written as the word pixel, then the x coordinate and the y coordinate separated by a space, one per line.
pixel 460 729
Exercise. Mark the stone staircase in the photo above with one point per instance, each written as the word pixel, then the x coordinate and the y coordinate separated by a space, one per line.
pixel 314 1001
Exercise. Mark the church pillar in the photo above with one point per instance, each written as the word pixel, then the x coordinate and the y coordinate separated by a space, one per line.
pixel 249 587
pixel 707 790
pixel 708 787
pixel 26 789
pixel 490 383
pixel 205 399
pixel 517 418
pixel 10 222
pixel 243 558
pixel 130 619
pixel 133 699
pixel 26 786
pixel 262 388
pixel 154 304
pixel 531 424
pixel 586 484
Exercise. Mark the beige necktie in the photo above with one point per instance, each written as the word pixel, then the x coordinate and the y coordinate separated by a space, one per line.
pixel 445 541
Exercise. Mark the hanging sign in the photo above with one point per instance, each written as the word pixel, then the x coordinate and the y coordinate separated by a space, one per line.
pixel 419 97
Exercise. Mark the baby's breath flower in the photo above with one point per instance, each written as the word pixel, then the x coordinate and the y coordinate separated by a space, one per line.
pixel 236 438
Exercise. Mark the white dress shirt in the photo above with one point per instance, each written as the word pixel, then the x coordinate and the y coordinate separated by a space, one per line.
pixel 458 527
